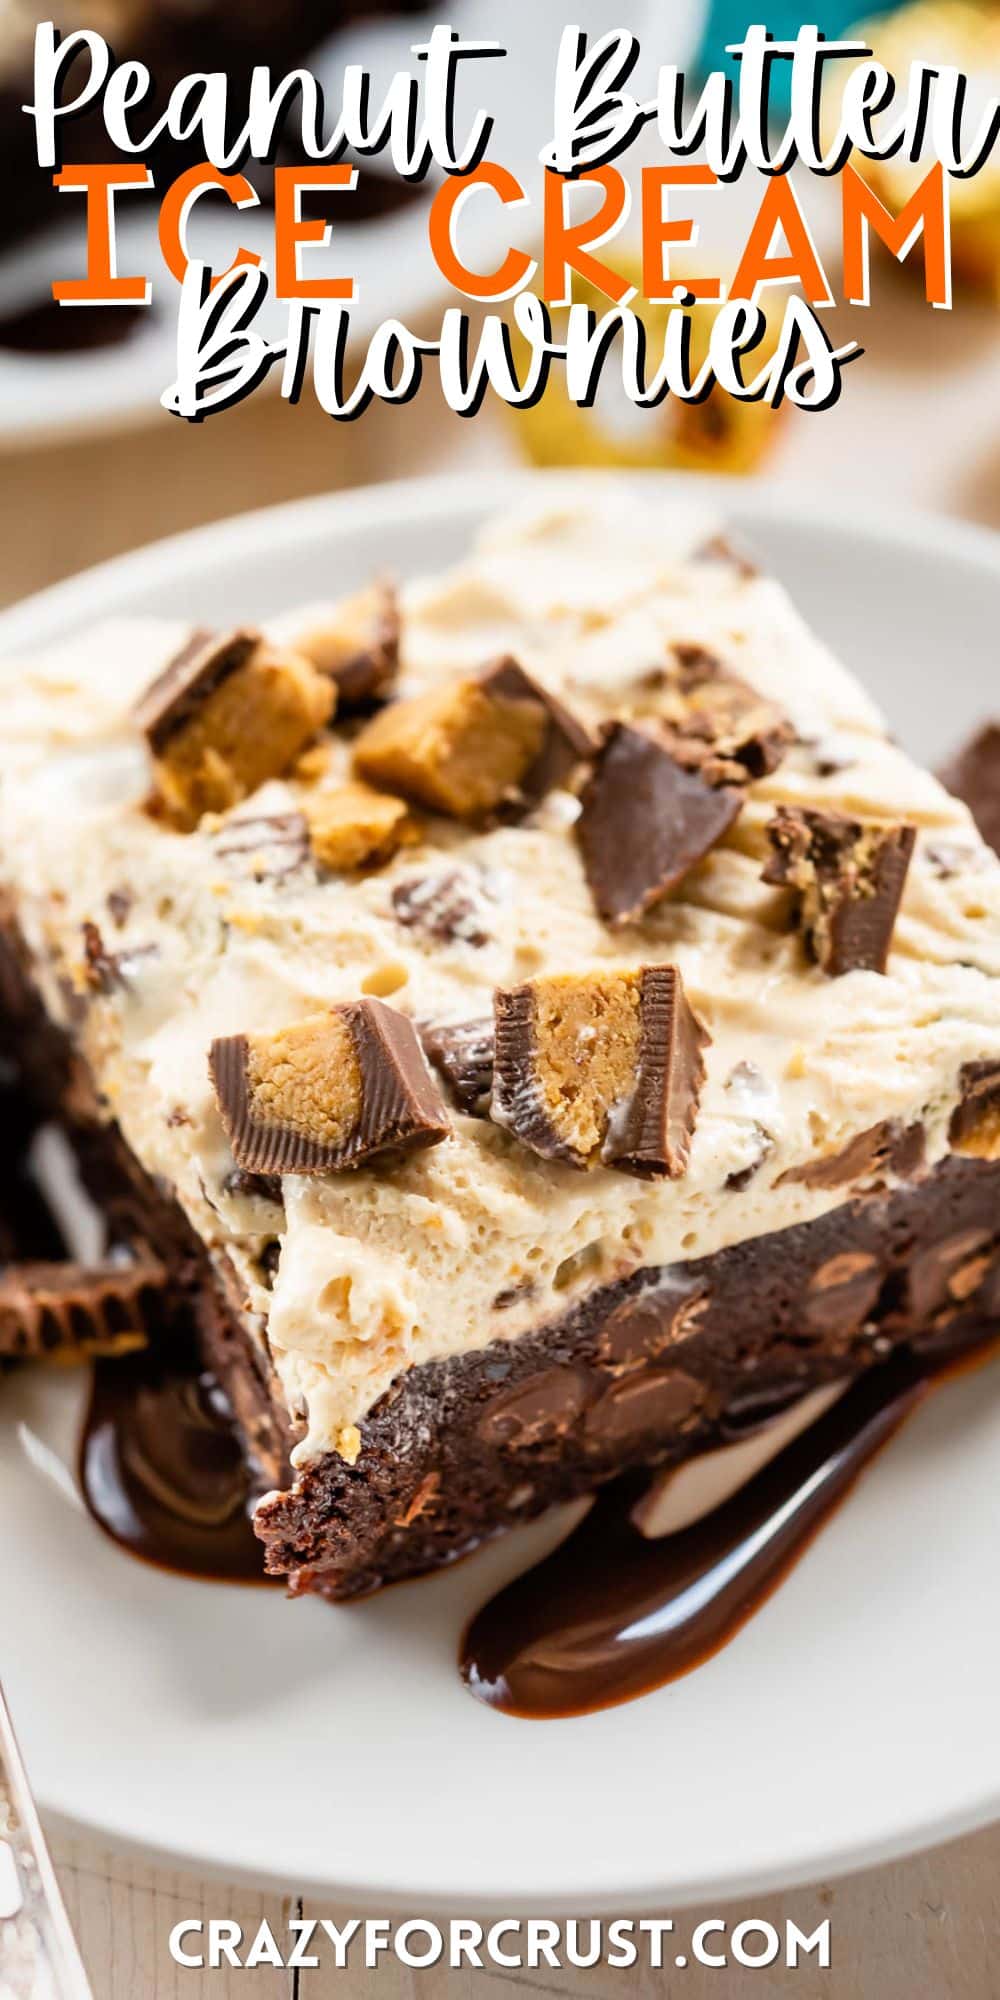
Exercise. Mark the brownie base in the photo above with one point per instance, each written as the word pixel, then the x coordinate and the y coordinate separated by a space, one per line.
pixel 645 1371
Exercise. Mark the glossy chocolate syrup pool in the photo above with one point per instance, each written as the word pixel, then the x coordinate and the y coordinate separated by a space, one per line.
pixel 611 1614
pixel 162 1472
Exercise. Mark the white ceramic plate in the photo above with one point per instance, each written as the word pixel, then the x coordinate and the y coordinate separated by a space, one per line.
pixel 856 1715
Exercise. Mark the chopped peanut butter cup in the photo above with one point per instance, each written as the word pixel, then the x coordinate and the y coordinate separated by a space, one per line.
pixel 974 776
pixel 645 822
pixel 353 826
pixel 326 1093
pixel 228 712
pixel 714 722
pixel 601 1068
pixel 69 1312
pixel 462 1053
pixel 476 745
pixel 975 1123
pixel 848 879
pixel 357 645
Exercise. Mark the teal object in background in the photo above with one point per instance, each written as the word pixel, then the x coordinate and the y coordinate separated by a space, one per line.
pixel 728 21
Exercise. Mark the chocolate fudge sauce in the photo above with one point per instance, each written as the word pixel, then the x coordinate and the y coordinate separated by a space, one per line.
pixel 611 1614
pixel 162 1472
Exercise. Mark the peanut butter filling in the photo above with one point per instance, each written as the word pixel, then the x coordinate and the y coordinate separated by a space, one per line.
pixel 587 1034
pixel 355 827
pixel 307 1079
pixel 248 728
pixel 457 750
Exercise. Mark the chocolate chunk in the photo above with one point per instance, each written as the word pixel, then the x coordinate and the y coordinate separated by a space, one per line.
pixel 975 1121
pixel 357 646
pixel 353 827
pixel 462 1052
pixel 974 777
pixel 645 822
pixel 473 746
pixel 69 1312
pixel 513 1295
pixel 603 1067
pixel 450 906
pixel 841 1294
pixel 741 1177
pixel 227 713
pixel 643 1405
pixel 107 971
pixel 119 902
pixel 264 847
pixel 645 1325
pixel 931 1271
pixel 328 1092
pixel 848 879
pixel 537 1412
pixel 888 1147
pixel 253 1187
pixel 949 858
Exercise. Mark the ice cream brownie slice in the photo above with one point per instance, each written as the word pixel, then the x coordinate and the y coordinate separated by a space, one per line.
pixel 549 1034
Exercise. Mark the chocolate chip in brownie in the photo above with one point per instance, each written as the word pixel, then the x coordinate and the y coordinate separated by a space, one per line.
pixel 645 822
pixel 327 1093
pixel 847 877
pixel 601 1068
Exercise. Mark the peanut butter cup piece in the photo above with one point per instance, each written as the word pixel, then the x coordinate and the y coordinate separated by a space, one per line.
pixel 714 722
pixel 645 822
pixel 602 1068
pixel 357 646
pixel 974 777
pixel 473 746
pixel 353 826
pixel 847 877
pixel 70 1312
pixel 229 711
pixel 975 1122
pixel 329 1092
pixel 462 1053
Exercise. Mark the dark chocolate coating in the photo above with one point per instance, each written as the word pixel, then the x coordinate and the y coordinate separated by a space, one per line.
pixel 645 822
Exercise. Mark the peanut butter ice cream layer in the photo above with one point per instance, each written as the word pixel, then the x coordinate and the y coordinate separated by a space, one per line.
pixel 458 952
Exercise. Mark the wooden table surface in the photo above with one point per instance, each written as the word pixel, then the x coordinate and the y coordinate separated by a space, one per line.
pixel 919 425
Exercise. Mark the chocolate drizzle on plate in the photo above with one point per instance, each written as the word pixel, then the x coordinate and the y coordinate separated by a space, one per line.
pixel 162 1472
pixel 612 1614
